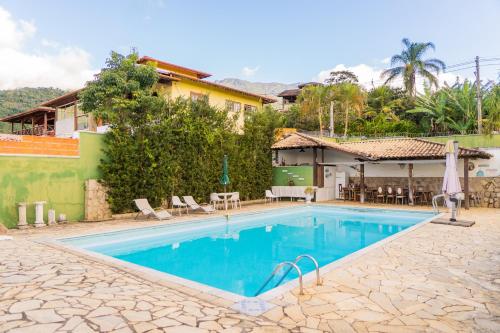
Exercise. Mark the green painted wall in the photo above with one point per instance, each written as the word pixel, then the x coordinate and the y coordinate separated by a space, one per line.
pixel 301 175
pixel 58 181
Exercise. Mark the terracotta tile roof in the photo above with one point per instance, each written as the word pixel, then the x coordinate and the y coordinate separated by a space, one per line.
pixel 378 150
pixel 191 71
pixel 264 99
pixel 289 92
pixel 407 149
pixel 35 111
pixel 300 140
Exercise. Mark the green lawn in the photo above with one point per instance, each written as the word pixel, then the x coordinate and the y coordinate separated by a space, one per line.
pixel 471 141
pixel 466 141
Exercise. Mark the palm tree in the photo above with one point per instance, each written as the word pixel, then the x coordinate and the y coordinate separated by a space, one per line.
pixel 409 64
pixel 491 105
pixel 350 98
pixel 313 101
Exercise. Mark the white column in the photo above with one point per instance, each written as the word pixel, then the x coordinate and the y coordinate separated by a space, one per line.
pixel 22 223
pixel 51 217
pixel 39 222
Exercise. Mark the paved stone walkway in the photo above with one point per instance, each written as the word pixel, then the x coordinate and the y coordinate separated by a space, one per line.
pixel 435 279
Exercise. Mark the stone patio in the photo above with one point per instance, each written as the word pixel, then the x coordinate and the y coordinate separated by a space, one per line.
pixel 436 278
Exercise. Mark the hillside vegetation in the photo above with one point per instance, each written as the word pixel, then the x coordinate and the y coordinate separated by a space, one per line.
pixel 22 99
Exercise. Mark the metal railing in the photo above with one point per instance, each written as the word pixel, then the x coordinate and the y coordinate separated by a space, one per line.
pixel 326 133
pixel 293 265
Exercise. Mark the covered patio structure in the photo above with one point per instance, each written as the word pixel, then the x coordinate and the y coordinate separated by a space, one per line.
pixel 39 121
pixel 406 162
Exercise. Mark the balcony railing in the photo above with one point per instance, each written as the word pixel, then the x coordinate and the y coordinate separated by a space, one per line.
pixel 38 130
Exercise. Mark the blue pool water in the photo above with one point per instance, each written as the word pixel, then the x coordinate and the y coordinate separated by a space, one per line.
pixel 238 256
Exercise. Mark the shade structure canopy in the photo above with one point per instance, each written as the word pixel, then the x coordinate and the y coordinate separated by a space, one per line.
pixel 224 178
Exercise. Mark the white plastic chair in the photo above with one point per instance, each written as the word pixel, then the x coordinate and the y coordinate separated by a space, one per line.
pixel 177 203
pixel 235 200
pixel 270 196
pixel 215 200
pixel 146 209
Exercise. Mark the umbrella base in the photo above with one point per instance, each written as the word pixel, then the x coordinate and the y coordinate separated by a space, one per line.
pixel 460 223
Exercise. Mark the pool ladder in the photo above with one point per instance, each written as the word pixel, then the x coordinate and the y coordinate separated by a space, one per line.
pixel 292 265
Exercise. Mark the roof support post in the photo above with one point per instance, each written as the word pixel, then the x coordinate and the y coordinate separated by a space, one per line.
pixel 410 184
pixel 12 128
pixel 362 183
pixel 45 123
pixel 466 182
pixel 276 156
pixel 315 167
pixel 75 115
pixel 32 125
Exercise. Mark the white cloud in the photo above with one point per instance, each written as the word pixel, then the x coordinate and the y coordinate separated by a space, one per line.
pixel 248 71
pixel 386 61
pixel 50 43
pixel 14 33
pixel 66 67
pixel 369 76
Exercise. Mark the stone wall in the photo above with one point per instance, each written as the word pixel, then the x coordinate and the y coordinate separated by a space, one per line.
pixel 488 188
pixel 96 205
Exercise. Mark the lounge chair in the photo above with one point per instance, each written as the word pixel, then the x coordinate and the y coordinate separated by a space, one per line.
pixel 270 196
pixel 194 206
pixel 146 209
pixel 177 203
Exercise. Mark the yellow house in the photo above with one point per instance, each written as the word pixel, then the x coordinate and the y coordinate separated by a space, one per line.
pixel 62 116
pixel 177 81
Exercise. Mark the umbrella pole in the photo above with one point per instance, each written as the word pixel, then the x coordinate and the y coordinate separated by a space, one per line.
pixel 225 198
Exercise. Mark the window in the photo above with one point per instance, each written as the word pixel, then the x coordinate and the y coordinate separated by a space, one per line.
pixel 198 96
pixel 249 108
pixel 233 106
pixel 82 119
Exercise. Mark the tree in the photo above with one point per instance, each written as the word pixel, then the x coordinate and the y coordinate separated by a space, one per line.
pixel 350 98
pixel 491 106
pixel 158 148
pixel 337 77
pixel 313 102
pixel 410 63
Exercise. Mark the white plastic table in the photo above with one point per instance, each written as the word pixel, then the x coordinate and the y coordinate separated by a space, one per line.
pixel 225 195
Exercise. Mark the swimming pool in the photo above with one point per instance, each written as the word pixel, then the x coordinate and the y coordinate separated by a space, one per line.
pixel 237 255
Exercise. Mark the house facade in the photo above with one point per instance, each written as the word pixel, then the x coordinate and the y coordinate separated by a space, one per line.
pixel 62 116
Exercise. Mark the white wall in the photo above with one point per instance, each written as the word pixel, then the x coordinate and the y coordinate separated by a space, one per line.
pixel 65 127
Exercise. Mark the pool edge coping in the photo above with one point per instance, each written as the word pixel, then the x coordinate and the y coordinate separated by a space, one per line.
pixel 194 288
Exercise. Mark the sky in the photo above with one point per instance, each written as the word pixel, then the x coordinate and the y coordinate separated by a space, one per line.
pixel 63 43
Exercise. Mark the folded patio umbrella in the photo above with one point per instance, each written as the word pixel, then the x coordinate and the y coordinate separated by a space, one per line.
pixel 224 178
pixel 451 182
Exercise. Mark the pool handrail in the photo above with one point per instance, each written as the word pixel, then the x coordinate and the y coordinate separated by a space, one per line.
pixel 299 258
pixel 276 269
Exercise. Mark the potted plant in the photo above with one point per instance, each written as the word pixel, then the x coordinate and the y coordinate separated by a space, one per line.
pixel 309 192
